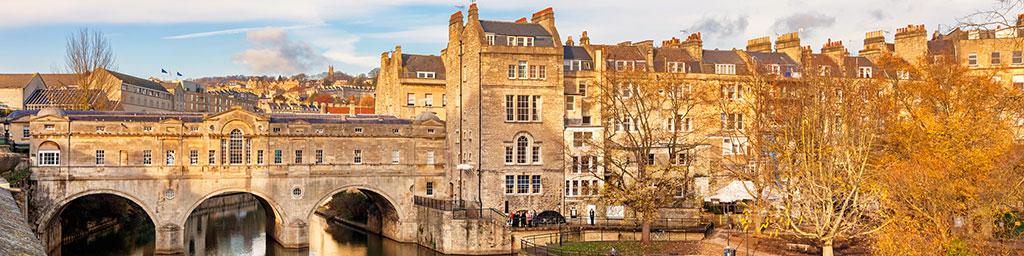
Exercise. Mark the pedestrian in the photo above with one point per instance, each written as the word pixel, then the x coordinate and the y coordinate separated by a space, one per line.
pixel 529 218
pixel 591 217
pixel 515 219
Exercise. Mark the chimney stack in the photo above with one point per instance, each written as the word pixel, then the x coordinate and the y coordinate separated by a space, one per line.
pixel 694 46
pixel 789 44
pixel 546 19
pixel 874 44
pixel 473 12
pixel 835 50
pixel 674 42
pixel 911 43
pixel 584 39
pixel 569 42
pixel 760 44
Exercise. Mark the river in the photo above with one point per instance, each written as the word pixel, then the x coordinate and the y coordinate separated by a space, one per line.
pixel 240 229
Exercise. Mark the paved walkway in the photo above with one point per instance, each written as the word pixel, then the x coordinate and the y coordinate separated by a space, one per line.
pixel 16 236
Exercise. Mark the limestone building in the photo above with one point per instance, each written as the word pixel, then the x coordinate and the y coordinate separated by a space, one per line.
pixel 410 84
pixel 505 90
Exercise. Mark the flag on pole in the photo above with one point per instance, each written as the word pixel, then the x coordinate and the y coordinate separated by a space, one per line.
pixel 179 73
pixel 163 71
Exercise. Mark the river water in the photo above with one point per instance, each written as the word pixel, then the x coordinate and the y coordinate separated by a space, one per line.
pixel 240 229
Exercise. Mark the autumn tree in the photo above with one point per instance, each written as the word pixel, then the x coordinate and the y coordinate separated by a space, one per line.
pixel 88 53
pixel 646 149
pixel 951 164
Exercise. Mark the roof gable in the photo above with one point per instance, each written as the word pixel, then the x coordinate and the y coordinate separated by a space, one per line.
pixel 14 81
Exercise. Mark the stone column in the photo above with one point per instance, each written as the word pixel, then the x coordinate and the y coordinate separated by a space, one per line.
pixel 294 234
pixel 168 240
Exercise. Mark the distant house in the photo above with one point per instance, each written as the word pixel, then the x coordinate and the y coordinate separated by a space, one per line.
pixel 16 88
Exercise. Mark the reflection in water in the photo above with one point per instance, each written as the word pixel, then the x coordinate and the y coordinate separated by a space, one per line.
pixel 134 239
pixel 237 225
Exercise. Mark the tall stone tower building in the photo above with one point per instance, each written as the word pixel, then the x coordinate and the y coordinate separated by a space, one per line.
pixel 505 114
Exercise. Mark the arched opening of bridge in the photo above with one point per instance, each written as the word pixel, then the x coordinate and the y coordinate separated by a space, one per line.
pixel 356 222
pixel 232 223
pixel 101 224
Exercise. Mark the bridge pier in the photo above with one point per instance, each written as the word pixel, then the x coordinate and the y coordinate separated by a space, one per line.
pixel 294 234
pixel 168 240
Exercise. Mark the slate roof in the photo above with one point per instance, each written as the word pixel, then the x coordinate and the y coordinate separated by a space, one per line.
pixel 663 55
pixel 576 53
pixel 772 58
pixel 817 60
pixel 621 52
pixel 146 83
pixel 722 57
pixel 59 80
pixel 513 28
pixel 13 81
pixel 413 63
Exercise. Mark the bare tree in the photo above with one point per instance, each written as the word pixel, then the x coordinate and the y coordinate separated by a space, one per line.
pixel 88 54
pixel 647 148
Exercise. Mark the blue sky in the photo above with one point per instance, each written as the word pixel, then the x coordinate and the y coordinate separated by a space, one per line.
pixel 228 37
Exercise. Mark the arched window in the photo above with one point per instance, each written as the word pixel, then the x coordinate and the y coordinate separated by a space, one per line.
pixel 48 154
pixel 235 147
pixel 522 143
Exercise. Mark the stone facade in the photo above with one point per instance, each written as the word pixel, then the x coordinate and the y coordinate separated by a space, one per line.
pixel 505 89
pixel 410 84
pixel 170 163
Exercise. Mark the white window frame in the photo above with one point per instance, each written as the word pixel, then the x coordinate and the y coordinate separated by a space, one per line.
pixel 430 157
pixel 410 99
pixel 44 155
pixel 428 100
pixel 425 74
pixel 725 69
pixel 396 156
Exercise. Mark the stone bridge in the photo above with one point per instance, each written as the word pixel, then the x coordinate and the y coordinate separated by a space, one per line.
pixel 169 196
pixel 170 163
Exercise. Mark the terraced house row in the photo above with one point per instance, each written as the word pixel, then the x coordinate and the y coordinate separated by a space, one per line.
pixel 523 106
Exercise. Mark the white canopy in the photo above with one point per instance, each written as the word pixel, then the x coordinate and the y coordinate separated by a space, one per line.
pixel 735 191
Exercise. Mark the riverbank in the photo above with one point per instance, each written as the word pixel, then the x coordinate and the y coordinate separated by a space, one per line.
pixel 16 237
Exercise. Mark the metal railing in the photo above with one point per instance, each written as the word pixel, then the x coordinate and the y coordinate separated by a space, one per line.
pixel 552 244
pixel 461 209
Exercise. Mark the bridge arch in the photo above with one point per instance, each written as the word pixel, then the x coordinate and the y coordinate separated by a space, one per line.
pixel 50 231
pixel 56 209
pixel 392 217
pixel 273 206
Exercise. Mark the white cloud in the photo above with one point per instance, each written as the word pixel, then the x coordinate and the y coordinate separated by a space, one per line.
pixel 237 31
pixel 273 52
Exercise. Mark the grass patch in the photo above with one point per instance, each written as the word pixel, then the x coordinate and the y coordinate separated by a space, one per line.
pixel 630 247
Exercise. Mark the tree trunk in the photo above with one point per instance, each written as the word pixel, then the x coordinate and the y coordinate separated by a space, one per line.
pixel 645 233
pixel 826 248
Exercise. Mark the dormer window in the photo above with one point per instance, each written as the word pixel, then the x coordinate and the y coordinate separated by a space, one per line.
pixel 490 39
pixel 825 70
pixel 725 69
pixel 676 67
pixel 520 40
pixel 422 74
pixel 864 72
pixel 48 127
pixel 359 130
pixel 101 128
pixel 624 65
pixel 774 69
pixel 147 129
